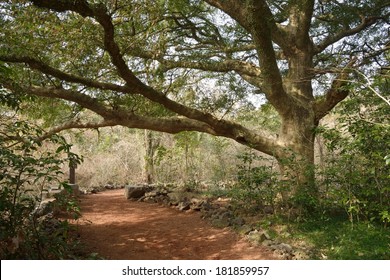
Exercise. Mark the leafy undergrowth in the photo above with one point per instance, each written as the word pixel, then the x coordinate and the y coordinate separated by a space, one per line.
pixel 329 236
pixel 334 238
pixel 337 239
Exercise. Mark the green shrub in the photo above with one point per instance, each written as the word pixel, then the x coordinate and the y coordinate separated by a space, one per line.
pixel 28 166
pixel 257 185
pixel 356 177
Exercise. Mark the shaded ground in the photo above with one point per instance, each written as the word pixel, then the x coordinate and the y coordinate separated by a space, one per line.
pixel 117 228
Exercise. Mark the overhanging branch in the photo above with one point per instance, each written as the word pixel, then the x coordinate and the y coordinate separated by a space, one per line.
pixel 76 124
pixel 71 78
pixel 83 100
pixel 189 118
pixel 120 116
pixel 240 67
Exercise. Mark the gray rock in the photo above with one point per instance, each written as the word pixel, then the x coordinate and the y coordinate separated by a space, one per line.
pixel 152 194
pixel 45 207
pixel 282 248
pixel 226 215
pixel 245 229
pixel 285 247
pixel 195 207
pixel 268 242
pixel 149 199
pixel 220 222
pixel 135 192
pixel 238 221
pixel 196 204
pixel 206 206
pixel 164 191
pixel 178 196
pixel 220 218
pixel 162 199
pixel 265 233
pixel 183 206
pixel 283 255
pixel 268 210
pixel 257 237
pixel 300 255
pixel 174 203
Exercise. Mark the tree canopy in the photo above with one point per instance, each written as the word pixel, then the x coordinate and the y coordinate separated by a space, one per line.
pixel 186 65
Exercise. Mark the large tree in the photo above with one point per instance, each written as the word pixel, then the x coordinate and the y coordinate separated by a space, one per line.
pixel 171 65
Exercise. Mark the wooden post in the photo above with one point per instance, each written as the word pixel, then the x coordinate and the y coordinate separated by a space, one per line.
pixel 72 178
pixel 72 173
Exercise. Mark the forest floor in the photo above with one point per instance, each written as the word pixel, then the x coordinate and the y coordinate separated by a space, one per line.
pixel 119 229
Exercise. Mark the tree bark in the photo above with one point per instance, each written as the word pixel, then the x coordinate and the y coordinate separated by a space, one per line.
pixel 296 160
pixel 149 171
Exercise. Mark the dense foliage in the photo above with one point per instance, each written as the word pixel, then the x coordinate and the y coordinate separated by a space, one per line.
pixel 28 168
pixel 356 175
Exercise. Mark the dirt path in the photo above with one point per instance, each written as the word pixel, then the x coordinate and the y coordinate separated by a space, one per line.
pixel 120 229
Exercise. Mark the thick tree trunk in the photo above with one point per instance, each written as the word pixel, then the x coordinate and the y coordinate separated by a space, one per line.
pixel 297 133
pixel 297 158
pixel 296 163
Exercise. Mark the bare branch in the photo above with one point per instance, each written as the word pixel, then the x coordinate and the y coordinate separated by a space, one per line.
pixel 189 118
pixel 206 64
pixel 169 125
pixel 233 8
pixel 99 12
pixel 237 10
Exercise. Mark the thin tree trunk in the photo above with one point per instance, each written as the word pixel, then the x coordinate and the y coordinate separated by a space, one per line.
pixel 149 157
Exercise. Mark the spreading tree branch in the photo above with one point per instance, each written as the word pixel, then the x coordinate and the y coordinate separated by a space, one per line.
pixel 42 67
pixel 126 117
pixel 337 93
pixel 196 120
pixel 264 31
pixel 333 38
pixel 83 100
pixel 72 124
pixel 98 12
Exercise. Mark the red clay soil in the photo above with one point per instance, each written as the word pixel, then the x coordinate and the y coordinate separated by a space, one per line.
pixel 119 229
